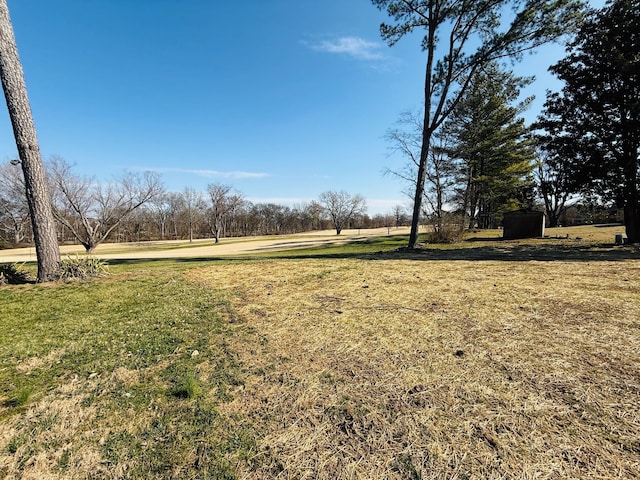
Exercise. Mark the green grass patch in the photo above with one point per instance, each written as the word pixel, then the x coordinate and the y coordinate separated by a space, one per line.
pixel 124 373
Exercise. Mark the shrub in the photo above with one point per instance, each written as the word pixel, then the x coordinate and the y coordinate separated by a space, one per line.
pixel 13 274
pixel 80 267
pixel 447 233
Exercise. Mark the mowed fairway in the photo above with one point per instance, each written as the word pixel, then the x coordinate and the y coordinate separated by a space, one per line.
pixel 482 360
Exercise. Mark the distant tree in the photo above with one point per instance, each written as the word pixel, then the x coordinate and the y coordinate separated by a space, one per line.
pixel 15 91
pixel 91 210
pixel 554 187
pixel 308 216
pixel 491 147
pixel 302 218
pixel 314 210
pixel 272 219
pixel 160 211
pixel 461 37
pixel 342 207
pixel 135 226
pixel 593 124
pixel 223 204
pixel 14 210
pixel 400 215
pixel 382 220
pixel 174 205
pixel 192 206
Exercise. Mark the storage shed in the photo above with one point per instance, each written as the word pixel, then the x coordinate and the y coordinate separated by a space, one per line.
pixel 523 224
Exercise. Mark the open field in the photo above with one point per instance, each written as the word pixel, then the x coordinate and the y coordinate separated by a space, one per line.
pixel 487 359
pixel 204 248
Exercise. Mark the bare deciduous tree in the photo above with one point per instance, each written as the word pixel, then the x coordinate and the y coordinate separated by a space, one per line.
pixel 14 210
pixel 439 169
pixel 223 204
pixel 160 211
pixel 15 91
pixel 193 207
pixel 399 215
pixel 342 207
pixel 90 210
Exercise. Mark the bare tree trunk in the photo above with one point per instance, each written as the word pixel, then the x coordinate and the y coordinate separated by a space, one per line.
pixel 427 132
pixel 15 91
pixel 417 199
pixel 632 202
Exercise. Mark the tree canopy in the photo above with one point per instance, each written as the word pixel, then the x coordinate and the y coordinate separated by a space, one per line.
pixel 460 38
pixel 342 207
pixel 593 125
pixel 491 147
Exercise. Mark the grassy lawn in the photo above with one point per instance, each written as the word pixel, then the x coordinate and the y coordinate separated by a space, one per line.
pixel 117 378
pixel 486 359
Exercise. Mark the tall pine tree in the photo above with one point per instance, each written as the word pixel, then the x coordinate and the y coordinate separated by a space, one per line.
pixel 460 38
pixel 491 147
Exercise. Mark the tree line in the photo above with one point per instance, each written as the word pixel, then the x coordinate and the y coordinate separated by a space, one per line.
pixel 468 147
pixel 471 156
pixel 136 207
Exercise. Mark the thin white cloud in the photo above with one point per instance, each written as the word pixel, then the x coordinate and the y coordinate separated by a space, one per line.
pixel 215 173
pixel 355 47
pixel 288 201
pixel 236 174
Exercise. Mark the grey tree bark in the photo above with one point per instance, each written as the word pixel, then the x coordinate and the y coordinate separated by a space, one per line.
pixel 15 91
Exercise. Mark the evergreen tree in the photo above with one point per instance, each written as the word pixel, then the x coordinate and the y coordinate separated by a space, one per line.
pixel 593 125
pixel 492 149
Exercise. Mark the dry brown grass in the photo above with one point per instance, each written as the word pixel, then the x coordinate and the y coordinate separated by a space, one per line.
pixel 485 359
pixel 425 369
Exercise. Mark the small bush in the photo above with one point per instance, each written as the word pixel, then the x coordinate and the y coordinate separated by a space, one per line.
pixel 13 274
pixel 447 233
pixel 80 267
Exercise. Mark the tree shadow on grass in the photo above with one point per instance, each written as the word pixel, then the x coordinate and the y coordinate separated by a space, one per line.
pixel 496 250
pixel 540 253
pixel 481 249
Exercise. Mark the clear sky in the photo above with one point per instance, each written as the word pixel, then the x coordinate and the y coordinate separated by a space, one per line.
pixel 282 99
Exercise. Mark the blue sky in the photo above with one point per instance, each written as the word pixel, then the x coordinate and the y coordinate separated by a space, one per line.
pixel 282 99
